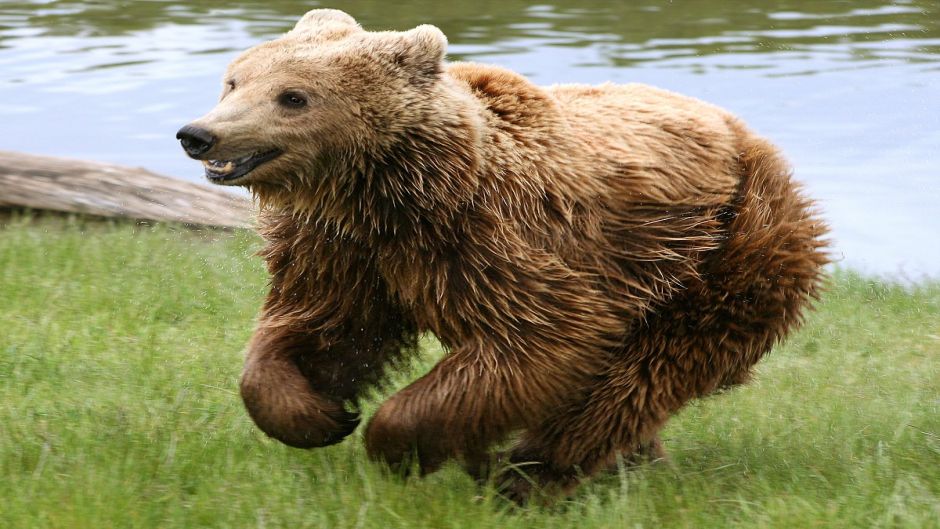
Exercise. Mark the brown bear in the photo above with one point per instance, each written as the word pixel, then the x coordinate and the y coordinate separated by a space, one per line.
pixel 591 257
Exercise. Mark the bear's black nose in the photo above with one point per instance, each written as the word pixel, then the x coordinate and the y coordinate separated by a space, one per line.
pixel 195 141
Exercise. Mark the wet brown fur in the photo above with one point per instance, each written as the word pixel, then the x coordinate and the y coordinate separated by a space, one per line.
pixel 592 258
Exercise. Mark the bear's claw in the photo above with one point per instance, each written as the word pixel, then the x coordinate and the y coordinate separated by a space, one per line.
pixel 346 424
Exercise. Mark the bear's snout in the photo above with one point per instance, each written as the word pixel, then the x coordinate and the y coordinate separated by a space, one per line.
pixel 195 140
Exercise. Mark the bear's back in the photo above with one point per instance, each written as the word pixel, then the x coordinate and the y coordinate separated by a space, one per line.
pixel 669 148
pixel 642 144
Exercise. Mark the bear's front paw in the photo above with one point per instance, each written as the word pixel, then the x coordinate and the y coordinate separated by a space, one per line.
pixel 296 416
pixel 315 428
pixel 395 437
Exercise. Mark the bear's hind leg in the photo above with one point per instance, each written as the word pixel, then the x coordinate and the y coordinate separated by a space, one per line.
pixel 621 417
pixel 752 291
pixel 682 352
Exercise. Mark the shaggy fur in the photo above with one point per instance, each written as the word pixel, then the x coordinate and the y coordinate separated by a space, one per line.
pixel 592 258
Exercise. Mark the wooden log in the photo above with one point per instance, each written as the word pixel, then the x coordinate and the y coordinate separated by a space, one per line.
pixel 48 183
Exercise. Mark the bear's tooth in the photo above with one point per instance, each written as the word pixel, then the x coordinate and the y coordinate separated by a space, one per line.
pixel 219 166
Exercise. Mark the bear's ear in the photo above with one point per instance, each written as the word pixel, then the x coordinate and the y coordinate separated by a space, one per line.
pixel 422 50
pixel 325 21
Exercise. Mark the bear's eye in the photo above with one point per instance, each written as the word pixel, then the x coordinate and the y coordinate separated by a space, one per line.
pixel 291 100
pixel 231 84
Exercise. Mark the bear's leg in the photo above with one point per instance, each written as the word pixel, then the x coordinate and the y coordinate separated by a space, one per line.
pixel 467 402
pixel 327 330
pixel 282 401
pixel 752 292
pixel 295 388
pixel 526 351
pixel 677 356
pixel 456 410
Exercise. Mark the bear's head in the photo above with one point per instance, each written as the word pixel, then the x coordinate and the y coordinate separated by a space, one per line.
pixel 327 92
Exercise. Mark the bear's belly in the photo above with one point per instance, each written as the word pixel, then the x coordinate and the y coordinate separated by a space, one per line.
pixel 478 293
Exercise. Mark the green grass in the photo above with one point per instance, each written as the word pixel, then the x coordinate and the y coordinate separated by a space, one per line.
pixel 121 347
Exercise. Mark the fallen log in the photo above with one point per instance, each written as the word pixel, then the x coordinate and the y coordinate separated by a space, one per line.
pixel 46 183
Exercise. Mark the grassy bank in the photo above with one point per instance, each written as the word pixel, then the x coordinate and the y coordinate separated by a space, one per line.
pixel 121 347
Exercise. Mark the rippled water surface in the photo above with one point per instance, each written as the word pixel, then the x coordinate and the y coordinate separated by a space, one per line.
pixel 849 89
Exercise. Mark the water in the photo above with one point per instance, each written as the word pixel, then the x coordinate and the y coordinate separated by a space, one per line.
pixel 850 89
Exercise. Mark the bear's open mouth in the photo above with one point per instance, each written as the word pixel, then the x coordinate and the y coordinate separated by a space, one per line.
pixel 225 171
